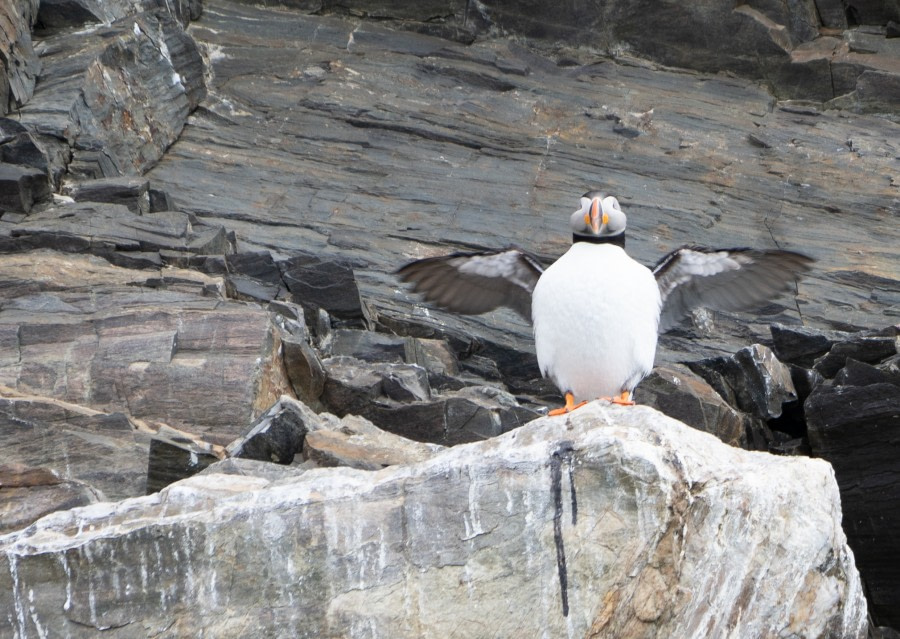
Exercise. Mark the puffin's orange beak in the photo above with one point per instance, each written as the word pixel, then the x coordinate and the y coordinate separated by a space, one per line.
pixel 595 219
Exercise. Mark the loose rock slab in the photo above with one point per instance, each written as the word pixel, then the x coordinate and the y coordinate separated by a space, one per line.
pixel 611 522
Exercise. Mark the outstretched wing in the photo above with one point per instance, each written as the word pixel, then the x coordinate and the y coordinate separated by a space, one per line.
pixel 725 279
pixel 472 283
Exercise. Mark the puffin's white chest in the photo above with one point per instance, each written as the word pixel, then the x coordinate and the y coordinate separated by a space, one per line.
pixel 595 313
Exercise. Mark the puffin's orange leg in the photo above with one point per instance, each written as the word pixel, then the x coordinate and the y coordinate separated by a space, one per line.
pixel 568 408
pixel 624 399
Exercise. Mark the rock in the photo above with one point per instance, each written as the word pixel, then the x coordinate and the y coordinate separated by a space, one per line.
pixel 862 349
pixel 131 192
pixel 254 468
pixel 58 14
pixel 406 384
pixel 350 384
pixel 21 188
pixel 290 428
pixel 805 381
pixel 248 289
pixel 70 441
pixel 752 380
pixel 278 434
pixel 20 65
pixel 802 345
pixel 328 284
pixel 119 94
pixel 891 365
pixel 860 374
pixel 19 146
pixel 684 396
pixel 173 460
pixel 396 398
pixel 82 331
pixel 357 443
pixel 620 565
pixel 210 264
pixel 369 346
pixel 792 46
pixel 832 13
pixel 98 227
pixel 434 355
pixel 259 265
pixel 28 493
pixel 304 370
pixel 857 429
pixel 160 200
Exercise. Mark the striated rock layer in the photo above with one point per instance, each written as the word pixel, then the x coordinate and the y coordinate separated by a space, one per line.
pixel 612 522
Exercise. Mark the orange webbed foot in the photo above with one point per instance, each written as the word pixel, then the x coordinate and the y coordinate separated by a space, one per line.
pixel 568 408
pixel 624 399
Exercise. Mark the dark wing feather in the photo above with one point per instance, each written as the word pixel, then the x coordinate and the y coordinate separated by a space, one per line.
pixel 725 279
pixel 472 283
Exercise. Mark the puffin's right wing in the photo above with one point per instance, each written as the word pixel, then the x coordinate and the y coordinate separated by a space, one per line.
pixel 726 279
pixel 472 283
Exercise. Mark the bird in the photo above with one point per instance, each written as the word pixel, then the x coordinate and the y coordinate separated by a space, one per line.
pixel 596 312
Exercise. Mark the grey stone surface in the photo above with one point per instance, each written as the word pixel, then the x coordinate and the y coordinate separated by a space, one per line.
pixel 857 429
pixel 333 147
pixel 19 64
pixel 685 396
pixel 21 187
pixel 414 118
pixel 131 192
pixel 72 440
pixel 753 379
pixel 161 346
pixel 278 434
pixel 659 545
pixel 28 493
pixel 171 460
pixel 118 94
pixel 100 227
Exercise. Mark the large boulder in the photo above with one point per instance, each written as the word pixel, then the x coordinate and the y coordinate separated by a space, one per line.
pixel 158 346
pixel 118 94
pixel 19 64
pixel 611 522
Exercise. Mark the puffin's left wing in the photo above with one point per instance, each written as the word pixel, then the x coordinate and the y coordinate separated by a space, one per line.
pixel 725 279
pixel 472 283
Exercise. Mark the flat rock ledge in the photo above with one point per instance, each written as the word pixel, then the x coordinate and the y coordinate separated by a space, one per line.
pixel 611 522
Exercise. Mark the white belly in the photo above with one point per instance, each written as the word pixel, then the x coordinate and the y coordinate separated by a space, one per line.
pixel 596 313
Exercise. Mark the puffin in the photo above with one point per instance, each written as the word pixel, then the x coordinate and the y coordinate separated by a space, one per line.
pixel 596 312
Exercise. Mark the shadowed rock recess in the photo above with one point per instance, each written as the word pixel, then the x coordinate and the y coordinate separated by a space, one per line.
pixel 217 403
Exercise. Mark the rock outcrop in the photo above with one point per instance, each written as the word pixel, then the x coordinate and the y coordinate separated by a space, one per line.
pixel 612 522
pixel 200 216
pixel 852 415
pixel 836 52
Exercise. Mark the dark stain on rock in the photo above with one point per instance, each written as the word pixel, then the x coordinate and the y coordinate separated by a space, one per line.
pixel 563 454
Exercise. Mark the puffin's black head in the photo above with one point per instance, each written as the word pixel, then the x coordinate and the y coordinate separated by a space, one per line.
pixel 598 220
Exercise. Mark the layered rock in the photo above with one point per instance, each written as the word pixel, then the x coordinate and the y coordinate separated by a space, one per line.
pixel 826 51
pixel 116 95
pixel 19 64
pixel 255 259
pixel 414 117
pixel 610 522
pixel 852 416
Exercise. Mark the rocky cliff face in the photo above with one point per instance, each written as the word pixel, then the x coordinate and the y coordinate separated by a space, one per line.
pixel 202 213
